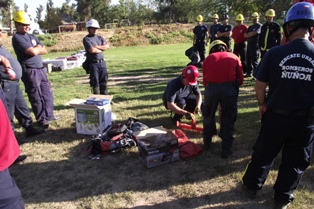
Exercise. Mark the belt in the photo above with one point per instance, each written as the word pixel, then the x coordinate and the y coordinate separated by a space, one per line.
pixel 12 81
pixel 303 112
pixel 98 61
pixel 221 84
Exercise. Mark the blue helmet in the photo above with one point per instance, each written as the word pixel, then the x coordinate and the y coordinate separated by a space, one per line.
pixel 299 15
pixel 301 11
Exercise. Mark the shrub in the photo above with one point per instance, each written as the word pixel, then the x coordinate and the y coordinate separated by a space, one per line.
pixel 48 39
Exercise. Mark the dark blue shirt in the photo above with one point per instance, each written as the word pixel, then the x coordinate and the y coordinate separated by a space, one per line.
pixel 289 72
pixel 200 32
pixel 176 89
pixel 90 41
pixel 213 31
pixel 14 64
pixel 253 40
pixel 225 28
pixel 21 42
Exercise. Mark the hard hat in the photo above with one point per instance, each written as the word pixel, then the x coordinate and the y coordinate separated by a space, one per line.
pixel 239 17
pixel 22 17
pixel 191 74
pixel 302 11
pixel 225 16
pixel 199 18
pixel 296 1
pixel 255 15
pixel 217 42
pixel 215 16
pixel 299 15
pixel 270 13
pixel 92 23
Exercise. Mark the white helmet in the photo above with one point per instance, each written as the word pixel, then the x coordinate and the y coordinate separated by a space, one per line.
pixel 92 23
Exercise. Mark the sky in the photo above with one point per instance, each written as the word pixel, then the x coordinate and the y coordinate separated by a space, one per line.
pixel 33 4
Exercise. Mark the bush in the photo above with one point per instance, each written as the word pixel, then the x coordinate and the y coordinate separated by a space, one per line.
pixel 48 39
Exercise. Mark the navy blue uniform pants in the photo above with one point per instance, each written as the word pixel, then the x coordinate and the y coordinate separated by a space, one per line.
pixel 187 103
pixel 225 94
pixel 10 194
pixel 292 135
pixel 200 45
pixel 239 49
pixel 252 55
pixel 16 103
pixel 39 93
pixel 99 76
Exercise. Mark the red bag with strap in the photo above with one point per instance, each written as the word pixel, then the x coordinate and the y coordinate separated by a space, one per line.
pixel 187 149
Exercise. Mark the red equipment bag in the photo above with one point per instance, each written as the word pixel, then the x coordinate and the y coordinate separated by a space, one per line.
pixel 187 149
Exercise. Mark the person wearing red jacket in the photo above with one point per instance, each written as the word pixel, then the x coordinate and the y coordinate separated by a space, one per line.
pixel 239 48
pixel 10 194
pixel 222 76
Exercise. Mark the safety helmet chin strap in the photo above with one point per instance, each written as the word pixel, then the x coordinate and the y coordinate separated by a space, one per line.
pixel 295 28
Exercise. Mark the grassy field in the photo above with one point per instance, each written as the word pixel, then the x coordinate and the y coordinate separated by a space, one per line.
pixel 58 174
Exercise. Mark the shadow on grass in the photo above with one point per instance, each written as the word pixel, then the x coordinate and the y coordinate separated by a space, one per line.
pixel 75 176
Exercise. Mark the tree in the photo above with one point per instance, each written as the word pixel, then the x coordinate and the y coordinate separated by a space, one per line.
pixel 39 11
pixel 53 17
pixel 7 13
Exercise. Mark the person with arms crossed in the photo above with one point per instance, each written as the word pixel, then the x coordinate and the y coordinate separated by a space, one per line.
pixel 239 48
pixel 224 32
pixel 28 50
pixel 95 46
pixel 222 76
pixel 252 52
pixel 284 89
pixel 213 29
pixel 178 96
pixel 16 103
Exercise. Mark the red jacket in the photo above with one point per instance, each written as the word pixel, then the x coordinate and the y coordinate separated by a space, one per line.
pixel 9 148
pixel 221 67
pixel 238 33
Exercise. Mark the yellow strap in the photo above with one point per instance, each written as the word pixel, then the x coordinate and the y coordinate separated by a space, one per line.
pixel 265 40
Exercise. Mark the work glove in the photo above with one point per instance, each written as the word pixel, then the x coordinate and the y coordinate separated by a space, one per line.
pixel 198 111
pixel 189 116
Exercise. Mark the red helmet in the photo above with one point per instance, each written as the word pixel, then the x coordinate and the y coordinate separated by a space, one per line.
pixel 191 74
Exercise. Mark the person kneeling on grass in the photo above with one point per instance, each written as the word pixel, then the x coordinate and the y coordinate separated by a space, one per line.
pixel 178 96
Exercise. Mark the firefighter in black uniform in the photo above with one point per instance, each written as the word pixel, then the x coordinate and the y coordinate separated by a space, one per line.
pixel 270 33
pixel 286 110
pixel 200 34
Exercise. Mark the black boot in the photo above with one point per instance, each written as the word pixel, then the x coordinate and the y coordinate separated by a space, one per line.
pixel 96 90
pixel 103 89
pixel 32 131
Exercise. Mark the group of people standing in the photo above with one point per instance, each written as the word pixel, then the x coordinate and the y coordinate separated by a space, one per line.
pixel 250 42
pixel 29 68
pixel 284 90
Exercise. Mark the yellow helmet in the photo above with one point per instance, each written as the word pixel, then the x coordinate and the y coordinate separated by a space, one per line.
pixel 199 18
pixel 217 42
pixel 270 13
pixel 255 15
pixel 215 16
pixel 239 17
pixel 22 17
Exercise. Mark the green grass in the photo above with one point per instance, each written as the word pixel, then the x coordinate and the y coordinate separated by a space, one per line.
pixel 58 174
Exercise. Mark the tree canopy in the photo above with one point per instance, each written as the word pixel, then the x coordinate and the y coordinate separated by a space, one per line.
pixel 147 11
